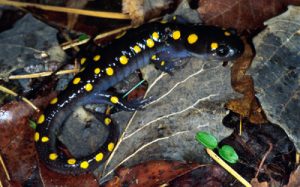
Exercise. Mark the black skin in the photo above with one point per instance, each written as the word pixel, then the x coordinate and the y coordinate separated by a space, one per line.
pixel 166 49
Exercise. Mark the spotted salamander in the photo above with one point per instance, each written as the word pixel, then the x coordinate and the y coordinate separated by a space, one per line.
pixel 159 43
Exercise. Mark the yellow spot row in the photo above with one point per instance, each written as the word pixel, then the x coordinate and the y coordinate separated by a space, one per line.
pixel 84 164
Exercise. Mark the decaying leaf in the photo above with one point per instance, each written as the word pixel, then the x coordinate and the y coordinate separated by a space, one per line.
pixel 244 15
pixel 139 11
pixel 294 178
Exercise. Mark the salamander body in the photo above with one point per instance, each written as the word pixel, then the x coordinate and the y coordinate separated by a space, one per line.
pixel 158 43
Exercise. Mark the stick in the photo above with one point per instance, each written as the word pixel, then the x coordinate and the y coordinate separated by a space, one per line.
pixel 263 159
pixel 42 74
pixel 100 14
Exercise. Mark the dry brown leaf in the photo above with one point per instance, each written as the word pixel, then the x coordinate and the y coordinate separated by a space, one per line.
pixel 247 106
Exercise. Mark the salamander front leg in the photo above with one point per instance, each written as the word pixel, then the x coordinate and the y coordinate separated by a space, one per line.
pixel 163 65
pixel 122 104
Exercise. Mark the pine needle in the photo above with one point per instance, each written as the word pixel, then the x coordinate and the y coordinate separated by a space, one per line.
pixel 99 14
pixel 8 91
pixel 227 167
pixel 4 168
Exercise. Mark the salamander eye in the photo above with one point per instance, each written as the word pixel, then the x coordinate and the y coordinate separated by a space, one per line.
pixel 222 51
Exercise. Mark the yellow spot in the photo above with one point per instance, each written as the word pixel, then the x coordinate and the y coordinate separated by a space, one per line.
pixel 192 38
pixel 162 63
pixel 107 121
pixel 71 161
pixel 88 87
pixel 153 57
pixel 97 57
pixel 176 35
pixel 155 36
pixel 226 33
pixel 114 99
pixel 123 59
pixel 110 146
pixel 97 71
pixel 53 156
pixel 82 61
pixel 53 101
pixel 84 164
pixel 121 34
pixel 41 119
pixel 150 43
pixel 76 80
pixel 137 49
pixel 109 71
pixel 99 157
pixel 45 139
pixel 36 136
pixel 174 18
pixel 163 21
pixel 214 46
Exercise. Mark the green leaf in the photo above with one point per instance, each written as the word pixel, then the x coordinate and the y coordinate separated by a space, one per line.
pixel 83 37
pixel 208 140
pixel 32 124
pixel 228 153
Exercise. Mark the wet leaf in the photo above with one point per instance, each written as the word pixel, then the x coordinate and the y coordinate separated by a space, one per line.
pixel 16 140
pixel 153 173
pixel 51 178
pixel 276 71
pixel 28 44
pixel 208 140
pixel 228 153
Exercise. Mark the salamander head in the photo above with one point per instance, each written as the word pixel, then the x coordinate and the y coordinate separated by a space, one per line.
pixel 214 43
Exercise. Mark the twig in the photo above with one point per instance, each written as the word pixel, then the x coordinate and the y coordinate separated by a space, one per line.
pixel 227 167
pixel 4 168
pixel 68 45
pixel 264 158
pixel 103 35
pixel 42 74
pixel 100 14
pixel 6 90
